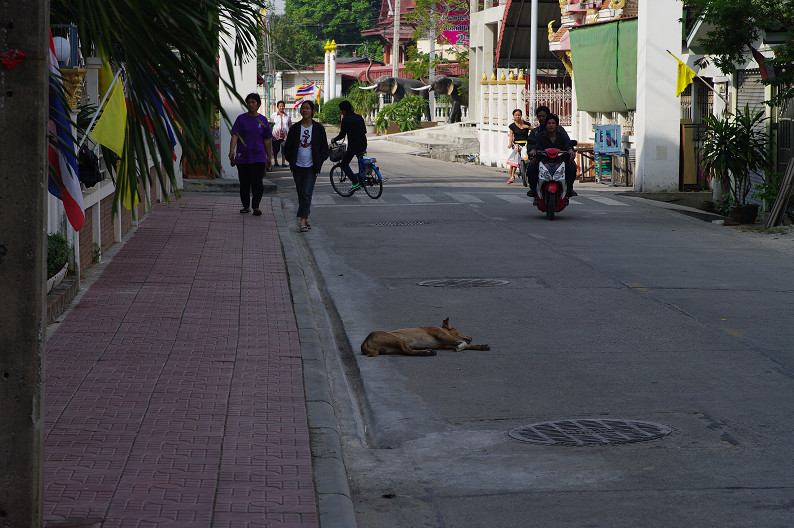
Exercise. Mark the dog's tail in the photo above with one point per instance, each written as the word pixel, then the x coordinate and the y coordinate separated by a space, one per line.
pixel 366 349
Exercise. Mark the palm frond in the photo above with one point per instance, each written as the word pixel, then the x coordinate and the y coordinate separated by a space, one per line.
pixel 170 53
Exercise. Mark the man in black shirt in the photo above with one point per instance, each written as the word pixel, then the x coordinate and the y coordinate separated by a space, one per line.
pixel 355 129
pixel 533 167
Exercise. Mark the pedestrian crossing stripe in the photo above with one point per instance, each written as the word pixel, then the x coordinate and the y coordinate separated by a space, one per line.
pixel 464 197
pixel 446 198
pixel 606 201
pixel 418 198
pixel 512 198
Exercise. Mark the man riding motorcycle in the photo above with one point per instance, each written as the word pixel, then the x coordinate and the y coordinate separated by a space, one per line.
pixel 552 136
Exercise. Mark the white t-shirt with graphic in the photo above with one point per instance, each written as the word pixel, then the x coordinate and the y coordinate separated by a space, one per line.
pixel 305 147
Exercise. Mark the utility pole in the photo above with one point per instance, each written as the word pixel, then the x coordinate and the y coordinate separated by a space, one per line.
pixel 533 58
pixel 24 25
pixel 395 49
pixel 432 71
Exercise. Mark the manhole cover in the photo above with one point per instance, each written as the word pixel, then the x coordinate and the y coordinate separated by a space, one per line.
pixel 589 432
pixel 400 223
pixel 463 283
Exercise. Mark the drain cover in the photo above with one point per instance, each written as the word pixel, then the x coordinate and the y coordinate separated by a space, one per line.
pixel 463 283
pixel 589 432
pixel 400 223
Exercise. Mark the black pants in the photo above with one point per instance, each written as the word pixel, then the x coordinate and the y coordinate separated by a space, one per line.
pixel 533 172
pixel 250 176
pixel 304 183
pixel 277 143
pixel 344 164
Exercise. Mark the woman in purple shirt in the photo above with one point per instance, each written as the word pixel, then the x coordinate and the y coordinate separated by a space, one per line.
pixel 251 151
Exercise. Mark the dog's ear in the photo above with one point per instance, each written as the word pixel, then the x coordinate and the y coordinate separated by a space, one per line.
pixel 445 324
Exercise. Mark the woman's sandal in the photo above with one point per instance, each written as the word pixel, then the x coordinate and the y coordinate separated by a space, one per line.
pixel 510 181
pixel 304 228
pixel 257 212
pixel 245 210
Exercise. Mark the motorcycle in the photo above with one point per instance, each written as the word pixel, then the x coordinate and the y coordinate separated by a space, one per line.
pixel 552 191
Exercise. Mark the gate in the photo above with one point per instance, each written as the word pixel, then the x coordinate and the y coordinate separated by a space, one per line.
pixel 750 92
pixel 555 92
pixel 785 134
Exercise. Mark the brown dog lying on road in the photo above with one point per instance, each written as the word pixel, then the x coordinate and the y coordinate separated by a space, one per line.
pixel 422 341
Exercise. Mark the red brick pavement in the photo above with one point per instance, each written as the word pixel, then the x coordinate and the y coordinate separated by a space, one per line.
pixel 174 387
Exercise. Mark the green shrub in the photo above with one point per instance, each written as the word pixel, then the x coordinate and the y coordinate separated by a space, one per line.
pixel 331 112
pixel 57 253
pixel 407 113
pixel 363 101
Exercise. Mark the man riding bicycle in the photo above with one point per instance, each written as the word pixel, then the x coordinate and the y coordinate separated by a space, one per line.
pixel 355 129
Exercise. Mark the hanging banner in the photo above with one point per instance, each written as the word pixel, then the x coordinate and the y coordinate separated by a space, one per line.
pixel 457 29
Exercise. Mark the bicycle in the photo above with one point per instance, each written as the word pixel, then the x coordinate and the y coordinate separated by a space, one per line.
pixel 522 165
pixel 371 181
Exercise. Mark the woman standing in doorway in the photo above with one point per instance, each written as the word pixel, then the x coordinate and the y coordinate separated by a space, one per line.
pixel 306 148
pixel 251 151
pixel 281 123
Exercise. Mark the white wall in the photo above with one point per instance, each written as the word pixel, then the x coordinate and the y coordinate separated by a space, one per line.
pixel 657 119
pixel 243 78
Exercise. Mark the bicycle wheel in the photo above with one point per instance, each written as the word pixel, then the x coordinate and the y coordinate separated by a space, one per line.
pixel 373 184
pixel 340 182
pixel 522 167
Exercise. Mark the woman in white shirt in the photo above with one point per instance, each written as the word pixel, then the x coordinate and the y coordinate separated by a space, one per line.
pixel 281 123
pixel 306 148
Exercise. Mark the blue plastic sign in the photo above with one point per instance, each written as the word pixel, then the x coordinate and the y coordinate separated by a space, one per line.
pixel 607 139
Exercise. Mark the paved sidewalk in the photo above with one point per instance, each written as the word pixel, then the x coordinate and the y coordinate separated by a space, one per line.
pixel 175 389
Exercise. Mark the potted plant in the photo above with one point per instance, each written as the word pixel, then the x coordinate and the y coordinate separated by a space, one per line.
pixel 57 259
pixel 734 147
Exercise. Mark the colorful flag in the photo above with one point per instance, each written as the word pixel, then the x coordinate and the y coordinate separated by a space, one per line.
pixel 303 91
pixel 112 124
pixel 160 103
pixel 63 181
pixel 768 71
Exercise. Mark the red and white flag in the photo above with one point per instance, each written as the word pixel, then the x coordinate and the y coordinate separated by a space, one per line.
pixel 63 180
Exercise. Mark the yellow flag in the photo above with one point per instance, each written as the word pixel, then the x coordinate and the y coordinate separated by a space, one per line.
pixel 112 124
pixel 105 78
pixel 125 192
pixel 685 76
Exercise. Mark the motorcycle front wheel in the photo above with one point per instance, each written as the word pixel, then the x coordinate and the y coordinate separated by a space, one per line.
pixel 551 204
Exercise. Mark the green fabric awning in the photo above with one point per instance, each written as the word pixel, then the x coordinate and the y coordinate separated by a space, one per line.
pixel 604 60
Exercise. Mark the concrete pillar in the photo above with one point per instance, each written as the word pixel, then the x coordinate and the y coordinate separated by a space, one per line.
pixel 326 72
pixel 23 257
pixel 332 71
pixel 657 120
pixel 243 79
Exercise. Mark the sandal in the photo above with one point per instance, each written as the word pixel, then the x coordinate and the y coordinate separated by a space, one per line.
pixel 510 181
pixel 257 212
pixel 308 225
pixel 245 210
pixel 304 228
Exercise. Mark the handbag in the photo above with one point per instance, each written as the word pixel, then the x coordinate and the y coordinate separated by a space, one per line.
pixel 515 157
pixel 337 151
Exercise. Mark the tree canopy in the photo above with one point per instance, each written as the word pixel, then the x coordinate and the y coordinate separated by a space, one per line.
pixel 739 24
pixel 338 20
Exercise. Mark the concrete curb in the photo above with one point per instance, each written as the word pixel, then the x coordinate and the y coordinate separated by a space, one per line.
pixel 219 185
pixel 334 503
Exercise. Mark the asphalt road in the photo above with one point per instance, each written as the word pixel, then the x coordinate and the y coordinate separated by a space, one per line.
pixel 620 308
